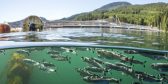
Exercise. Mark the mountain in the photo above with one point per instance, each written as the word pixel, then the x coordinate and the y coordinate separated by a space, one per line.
pixel 44 19
pixel 16 24
pixel 71 17
pixel 104 8
pixel 19 24
pixel 113 6
pixel 152 14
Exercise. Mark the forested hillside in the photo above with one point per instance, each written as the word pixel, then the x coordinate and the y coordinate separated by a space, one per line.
pixel 154 14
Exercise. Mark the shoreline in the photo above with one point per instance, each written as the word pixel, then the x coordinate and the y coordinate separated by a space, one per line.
pixel 94 24
pixel 153 29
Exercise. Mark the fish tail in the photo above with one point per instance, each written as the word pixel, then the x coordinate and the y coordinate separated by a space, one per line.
pixel 144 64
pixel 55 70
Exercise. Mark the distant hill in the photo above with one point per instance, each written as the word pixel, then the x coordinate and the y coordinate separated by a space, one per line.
pixel 107 7
pixel 16 24
pixel 113 5
pixel 20 22
pixel 152 14
pixel 44 19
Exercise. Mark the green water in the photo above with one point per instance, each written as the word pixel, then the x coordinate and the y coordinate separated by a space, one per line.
pixel 66 73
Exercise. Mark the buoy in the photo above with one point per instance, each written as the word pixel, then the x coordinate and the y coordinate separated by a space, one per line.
pixel 4 28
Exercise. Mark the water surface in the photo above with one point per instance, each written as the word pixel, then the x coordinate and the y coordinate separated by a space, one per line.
pixel 105 36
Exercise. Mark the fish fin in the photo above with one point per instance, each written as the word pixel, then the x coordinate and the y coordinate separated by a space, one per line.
pixel 55 70
pixel 158 76
pixel 120 80
pixel 131 63
pixel 82 58
pixel 132 58
pixel 69 59
pixel 144 66
pixel 69 62
pixel 145 62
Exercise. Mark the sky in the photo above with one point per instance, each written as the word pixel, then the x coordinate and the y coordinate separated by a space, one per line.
pixel 14 10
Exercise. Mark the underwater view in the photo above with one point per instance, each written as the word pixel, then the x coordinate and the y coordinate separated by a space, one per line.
pixel 84 65
pixel 84 42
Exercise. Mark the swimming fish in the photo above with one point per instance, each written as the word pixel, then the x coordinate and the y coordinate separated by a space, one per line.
pixel 35 49
pixel 48 64
pixel 53 52
pixel 97 60
pixel 142 76
pixel 47 69
pixel 69 50
pixel 160 66
pixel 84 72
pixel 95 69
pixel 99 79
pixel 164 77
pixel 130 51
pixel 2 51
pixel 25 52
pixel 123 68
pixel 154 56
pixel 92 62
pixel 31 62
pixel 61 58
